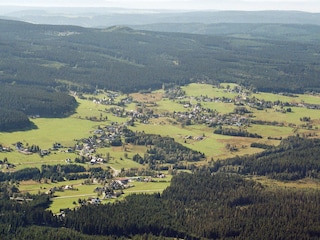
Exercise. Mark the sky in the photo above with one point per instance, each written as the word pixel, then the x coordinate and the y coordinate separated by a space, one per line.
pixel 250 5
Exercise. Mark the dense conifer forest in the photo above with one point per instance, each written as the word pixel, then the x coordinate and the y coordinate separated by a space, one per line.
pixel 23 101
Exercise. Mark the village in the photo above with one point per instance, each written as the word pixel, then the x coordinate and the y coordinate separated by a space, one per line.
pixel 113 135
pixel 197 114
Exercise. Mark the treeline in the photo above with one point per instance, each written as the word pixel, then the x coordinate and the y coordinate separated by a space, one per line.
pixel 55 173
pixel 36 101
pixel 295 158
pixel 261 145
pixel 236 132
pixel 13 120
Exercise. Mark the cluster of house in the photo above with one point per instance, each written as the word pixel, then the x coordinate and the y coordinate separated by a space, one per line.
pixel 113 189
pixel 52 190
pixel 197 138
pixel 111 98
pixel 102 137
pixel 141 114
pixel 199 115
pixel 20 148
pixel 6 165
pixel 5 149
pixel 24 150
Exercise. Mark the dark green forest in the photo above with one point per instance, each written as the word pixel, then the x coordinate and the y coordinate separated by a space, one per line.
pixel 83 58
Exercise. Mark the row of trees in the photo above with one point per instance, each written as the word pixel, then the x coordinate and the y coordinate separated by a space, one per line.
pixel 236 132
pixel 55 173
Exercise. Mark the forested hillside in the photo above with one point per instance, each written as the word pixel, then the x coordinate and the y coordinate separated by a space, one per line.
pixel 45 60
pixel 272 31
pixel 120 58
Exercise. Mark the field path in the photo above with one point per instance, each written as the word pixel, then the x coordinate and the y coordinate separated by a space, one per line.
pixel 73 196
pixel 49 161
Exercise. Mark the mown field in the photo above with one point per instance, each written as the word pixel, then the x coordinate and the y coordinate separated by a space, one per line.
pixel 79 125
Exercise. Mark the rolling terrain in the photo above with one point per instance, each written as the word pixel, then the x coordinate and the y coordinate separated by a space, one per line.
pixel 208 132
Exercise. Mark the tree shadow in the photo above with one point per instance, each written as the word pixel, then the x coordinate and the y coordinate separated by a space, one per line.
pixel 30 126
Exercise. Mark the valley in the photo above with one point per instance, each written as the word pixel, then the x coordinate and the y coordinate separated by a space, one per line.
pixel 189 114
pixel 161 130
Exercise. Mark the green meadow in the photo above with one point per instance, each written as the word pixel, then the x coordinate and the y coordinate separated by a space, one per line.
pixel 197 89
pixel 49 131
pixel 170 106
pixel 298 98
pixel 294 116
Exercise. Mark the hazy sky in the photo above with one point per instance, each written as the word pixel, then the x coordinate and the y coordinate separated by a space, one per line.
pixel 300 5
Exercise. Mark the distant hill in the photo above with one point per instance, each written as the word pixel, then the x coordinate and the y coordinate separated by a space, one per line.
pixel 266 56
pixel 272 31
pixel 105 17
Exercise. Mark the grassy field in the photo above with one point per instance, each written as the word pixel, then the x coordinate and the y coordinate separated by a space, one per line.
pixel 306 183
pixel 271 131
pixel 289 117
pixel 197 89
pixel 49 131
pixel 299 98
pixel 21 160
